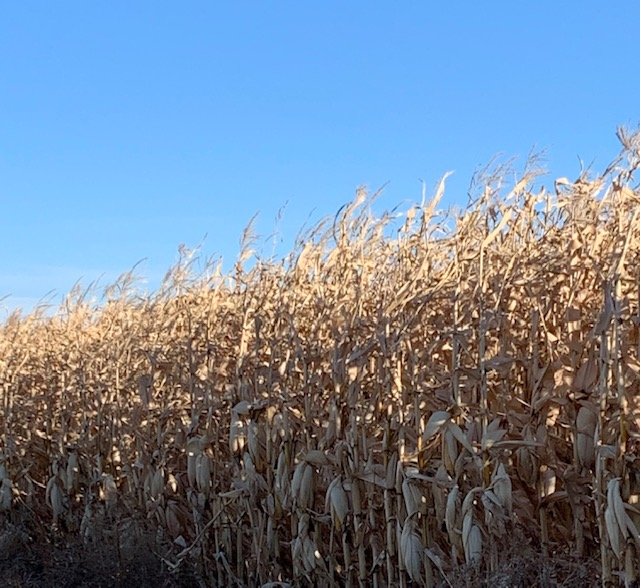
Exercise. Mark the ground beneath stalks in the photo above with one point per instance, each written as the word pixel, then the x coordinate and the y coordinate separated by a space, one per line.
pixel 60 564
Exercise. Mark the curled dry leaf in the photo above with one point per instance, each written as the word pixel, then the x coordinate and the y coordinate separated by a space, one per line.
pixel 303 486
pixel 414 500
pixel 586 422
pixel 54 498
pixel 110 491
pixel 411 550
pixel 502 488
pixel 473 545
pixel 337 503
pixel 6 494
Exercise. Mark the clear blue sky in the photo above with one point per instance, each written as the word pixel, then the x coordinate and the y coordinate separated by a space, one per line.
pixel 128 128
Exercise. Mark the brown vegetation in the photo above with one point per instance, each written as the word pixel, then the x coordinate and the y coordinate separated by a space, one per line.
pixel 452 403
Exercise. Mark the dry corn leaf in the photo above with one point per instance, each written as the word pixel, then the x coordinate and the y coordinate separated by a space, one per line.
pixel 456 431
pixel 318 458
pixel 435 424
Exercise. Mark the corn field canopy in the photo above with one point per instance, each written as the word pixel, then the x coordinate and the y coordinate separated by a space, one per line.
pixel 394 403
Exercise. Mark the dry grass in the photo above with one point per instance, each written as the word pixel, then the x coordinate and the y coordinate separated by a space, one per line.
pixel 391 405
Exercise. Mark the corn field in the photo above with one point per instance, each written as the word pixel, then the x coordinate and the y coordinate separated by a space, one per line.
pixel 396 403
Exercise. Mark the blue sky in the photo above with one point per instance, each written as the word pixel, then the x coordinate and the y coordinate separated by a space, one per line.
pixel 128 128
